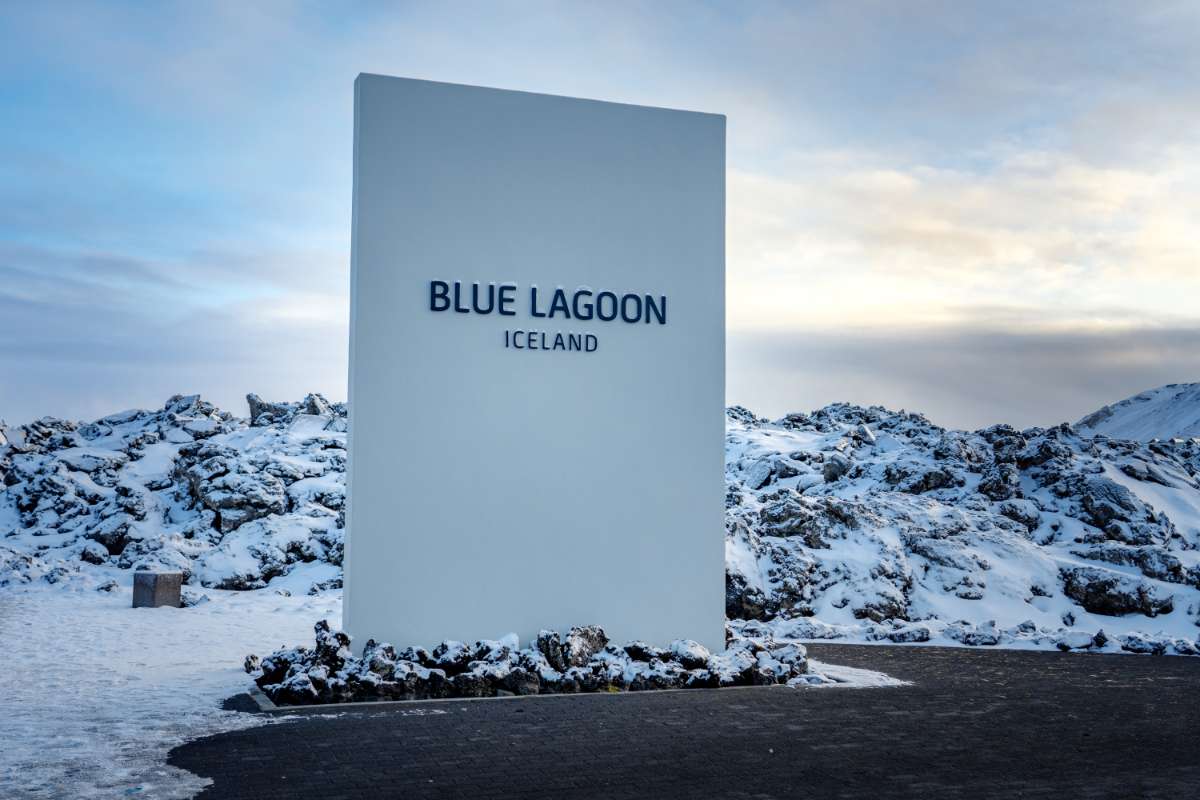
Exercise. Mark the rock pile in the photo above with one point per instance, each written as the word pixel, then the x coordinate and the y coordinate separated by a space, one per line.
pixel 228 502
pixel 848 522
pixel 582 660
pixel 871 524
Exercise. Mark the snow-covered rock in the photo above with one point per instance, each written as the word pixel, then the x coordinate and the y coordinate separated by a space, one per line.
pixel 188 487
pixel 1168 412
pixel 582 660
pixel 890 528
pixel 844 523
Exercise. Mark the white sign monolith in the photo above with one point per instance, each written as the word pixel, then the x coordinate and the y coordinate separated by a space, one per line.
pixel 536 367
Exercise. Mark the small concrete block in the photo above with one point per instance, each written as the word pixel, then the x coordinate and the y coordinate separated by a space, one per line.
pixel 153 589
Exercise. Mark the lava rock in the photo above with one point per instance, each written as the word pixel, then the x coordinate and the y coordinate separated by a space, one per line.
pixel 582 643
pixel 331 673
pixel 1113 594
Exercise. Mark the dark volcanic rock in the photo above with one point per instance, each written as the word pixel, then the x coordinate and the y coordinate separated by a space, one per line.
pixel 582 643
pixel 1102 592
pixel 331 673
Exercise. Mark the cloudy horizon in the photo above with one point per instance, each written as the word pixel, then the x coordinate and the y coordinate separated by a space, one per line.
pixel 981 217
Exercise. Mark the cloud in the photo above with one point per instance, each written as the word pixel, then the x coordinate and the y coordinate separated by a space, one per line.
pixel 84 334
pixel 855 240
pixel 961 375
pixel 175 187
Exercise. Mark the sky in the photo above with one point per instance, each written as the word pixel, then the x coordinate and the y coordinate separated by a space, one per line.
pixel 983 212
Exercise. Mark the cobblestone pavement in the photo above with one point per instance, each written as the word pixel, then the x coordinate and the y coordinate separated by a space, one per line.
pixel 975 723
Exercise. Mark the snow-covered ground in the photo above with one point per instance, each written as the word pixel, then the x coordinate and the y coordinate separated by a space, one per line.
pixel 95 693
pixel 860 524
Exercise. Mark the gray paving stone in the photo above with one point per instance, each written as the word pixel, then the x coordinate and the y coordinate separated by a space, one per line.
pixel 976 723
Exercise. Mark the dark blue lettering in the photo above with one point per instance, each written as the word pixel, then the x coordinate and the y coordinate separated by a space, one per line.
pixel 586 313
pixel 589 342
pixel 458 306
pixel 491 295
pixel 517 340
pixel 533 309
pixel 612 311
pixel 559 303
pixel 507 298
pixel 529 340
pixel 653 309
pixel 636 316
pixel 574 341
pixel 439 295
pixel 559 344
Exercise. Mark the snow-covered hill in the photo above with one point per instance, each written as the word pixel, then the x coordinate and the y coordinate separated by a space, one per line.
pixel 232 503
pixel 1168 412
pixel 870 524
pixel 850 522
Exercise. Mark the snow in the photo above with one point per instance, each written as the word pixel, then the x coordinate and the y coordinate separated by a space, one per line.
pixel 96 692
pixel 1180 502
pixel 958 538
pixel 1168 412
pixel 853 677
pixel 849 523
pixel 188 487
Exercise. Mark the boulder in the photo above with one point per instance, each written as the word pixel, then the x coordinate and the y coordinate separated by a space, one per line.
pixel 836 466
pixel 550 645
pixel 262 412
pixel 317 405
pixel 238 498
pixel 582 643
pixel 452 657
pixel 521 681
pixel 1105 501
pixel 1000 482
pixel 1144 644
pixel 743 601
pixel 1102 591
pixel 758 475
pixel 907 634
pixel 691 654
pixel 1153 561
pixel 1075 640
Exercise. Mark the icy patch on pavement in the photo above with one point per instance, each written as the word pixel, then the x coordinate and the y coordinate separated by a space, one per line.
pixel 96 693
pixel 853 677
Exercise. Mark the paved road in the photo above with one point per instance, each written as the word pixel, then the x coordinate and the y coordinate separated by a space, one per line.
pixel 976 723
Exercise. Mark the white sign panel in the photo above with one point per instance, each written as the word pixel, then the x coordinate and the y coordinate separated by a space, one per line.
pixel 536 367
